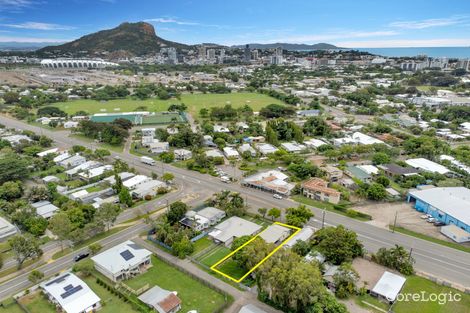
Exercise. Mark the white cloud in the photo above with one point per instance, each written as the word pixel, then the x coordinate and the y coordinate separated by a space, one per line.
pixel 310 39
pixel 32 39
pixel 14 5
pixel 428 23
pixel 39 26
pixel 170 20
pixel 399 43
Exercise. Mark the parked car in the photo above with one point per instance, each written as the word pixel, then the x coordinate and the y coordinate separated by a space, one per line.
pixel 439 223
pixel 277 196
pixel 431 220
pixel 426 216
pixel 81 256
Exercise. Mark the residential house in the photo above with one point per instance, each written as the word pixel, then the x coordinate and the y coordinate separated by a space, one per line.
pixel 247 147
pixel 45 209
pixel 15 140
pixel 307 113
pixel 214 215
pixel 70 294
pixel 356 172
pixel 182 154
pixel 148 188
pixel 70 124
pixel 221 129
pixel 303 235
pixel 266 148
pixel 332 173
pixel 158 147
pixel 95 172
pixel 163 301
pixel 6 229
pixel 293 147
pixel 135 181
pixel 148 132
pixel 392 170
pixel 123 261
pixel 85 166
pixel 47 152
pixel 271 181
pixel 214 153
pixel 275 234
pixel 388 287
pixel 427 166
pixel 317 189
pixel 72 161
pixel 314 143
pixel 230 152
pixel 231 228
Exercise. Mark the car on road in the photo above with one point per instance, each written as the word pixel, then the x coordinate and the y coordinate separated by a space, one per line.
pixel 431 220
pixel 277 196
pixel 225 179
pixel 81 256
pixel 439 223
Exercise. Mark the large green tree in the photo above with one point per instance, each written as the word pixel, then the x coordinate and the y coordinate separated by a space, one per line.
pixel 24 247
pixel 338 244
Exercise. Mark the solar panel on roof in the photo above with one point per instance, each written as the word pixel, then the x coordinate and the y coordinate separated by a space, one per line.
pixel 68 287
pixel 127 255
pixel 70 292
pixel 58 280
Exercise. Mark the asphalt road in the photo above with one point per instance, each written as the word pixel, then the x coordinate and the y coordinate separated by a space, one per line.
pixel 440 261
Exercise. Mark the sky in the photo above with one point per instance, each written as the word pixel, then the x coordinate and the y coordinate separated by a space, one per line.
pixel 351 24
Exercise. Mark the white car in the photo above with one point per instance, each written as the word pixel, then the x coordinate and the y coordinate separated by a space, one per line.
pixel 277 196
pixel 426 216
pixel 431 220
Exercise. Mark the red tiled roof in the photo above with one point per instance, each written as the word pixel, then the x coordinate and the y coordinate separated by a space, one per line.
pixel 170 302
pixel 318 184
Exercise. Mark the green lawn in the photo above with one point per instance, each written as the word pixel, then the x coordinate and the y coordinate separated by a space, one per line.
pixel 194 102
pixel 431 239
pixel 214 255
pixel 202 244
pixel 231 268
pixel 110 303
pixel 10 306
pixel 368 299
pixel 194 295
pixel 37 303
pixel 415 284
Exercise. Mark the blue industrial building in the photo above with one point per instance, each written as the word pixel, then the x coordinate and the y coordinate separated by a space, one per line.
pixel 450 205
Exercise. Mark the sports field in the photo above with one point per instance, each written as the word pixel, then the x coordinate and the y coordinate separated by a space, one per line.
pixel 195 102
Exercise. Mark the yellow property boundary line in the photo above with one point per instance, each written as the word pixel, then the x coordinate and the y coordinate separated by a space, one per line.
pixel 213 267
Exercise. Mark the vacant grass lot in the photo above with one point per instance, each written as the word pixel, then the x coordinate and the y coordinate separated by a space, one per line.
pixel 10 306
pixel 194 102
pixel 415 284
pixel 193 294
pixel 215 255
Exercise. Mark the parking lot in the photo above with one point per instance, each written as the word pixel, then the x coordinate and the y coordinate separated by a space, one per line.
pixel 383 215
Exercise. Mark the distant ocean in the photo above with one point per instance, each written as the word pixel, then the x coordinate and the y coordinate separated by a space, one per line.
pixel 435 52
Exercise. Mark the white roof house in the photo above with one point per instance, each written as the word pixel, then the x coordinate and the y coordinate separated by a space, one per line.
pixel 88 165
pixel 272 181
pixel 71 293
pixel 389 286
pixel 50 179
pixel 135 181
pixel 119 261
pixel 79 194
pixel 147 188
pixel 95 172
pixel 220 129
pixel 182 154
pixel 46 152
pixel 303 235
pixel 247 147
pixel 214 215
pixel 45 209
pixel 314 143
pixel 275 233
pixel 230 152
pixel 163 301
pixel 122 175
pixel 369 169
pixel 61 157
pixel 6 229
pixel 213 153
pixel 233 227
pixel 357 138
pixel 427 165
pixel 16 139
pixel 71 124
pixel 293 146
pixel 72 161
pixel 266 148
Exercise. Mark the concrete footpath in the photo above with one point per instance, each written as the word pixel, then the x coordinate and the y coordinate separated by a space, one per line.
pixel 240 297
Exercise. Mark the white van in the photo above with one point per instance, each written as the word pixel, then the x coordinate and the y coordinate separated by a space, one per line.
pixel 147 160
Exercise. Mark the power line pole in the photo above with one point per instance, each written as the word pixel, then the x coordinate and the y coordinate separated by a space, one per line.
pixel 323 219
pixel 395 222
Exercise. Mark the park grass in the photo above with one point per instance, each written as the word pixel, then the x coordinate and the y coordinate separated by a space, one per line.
pixel 194 102
pixel 193 294
pixel 89 241
pixel 110 303
pixel 36 302
pixel 416 284
pixel 449 244
pixel 214 255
